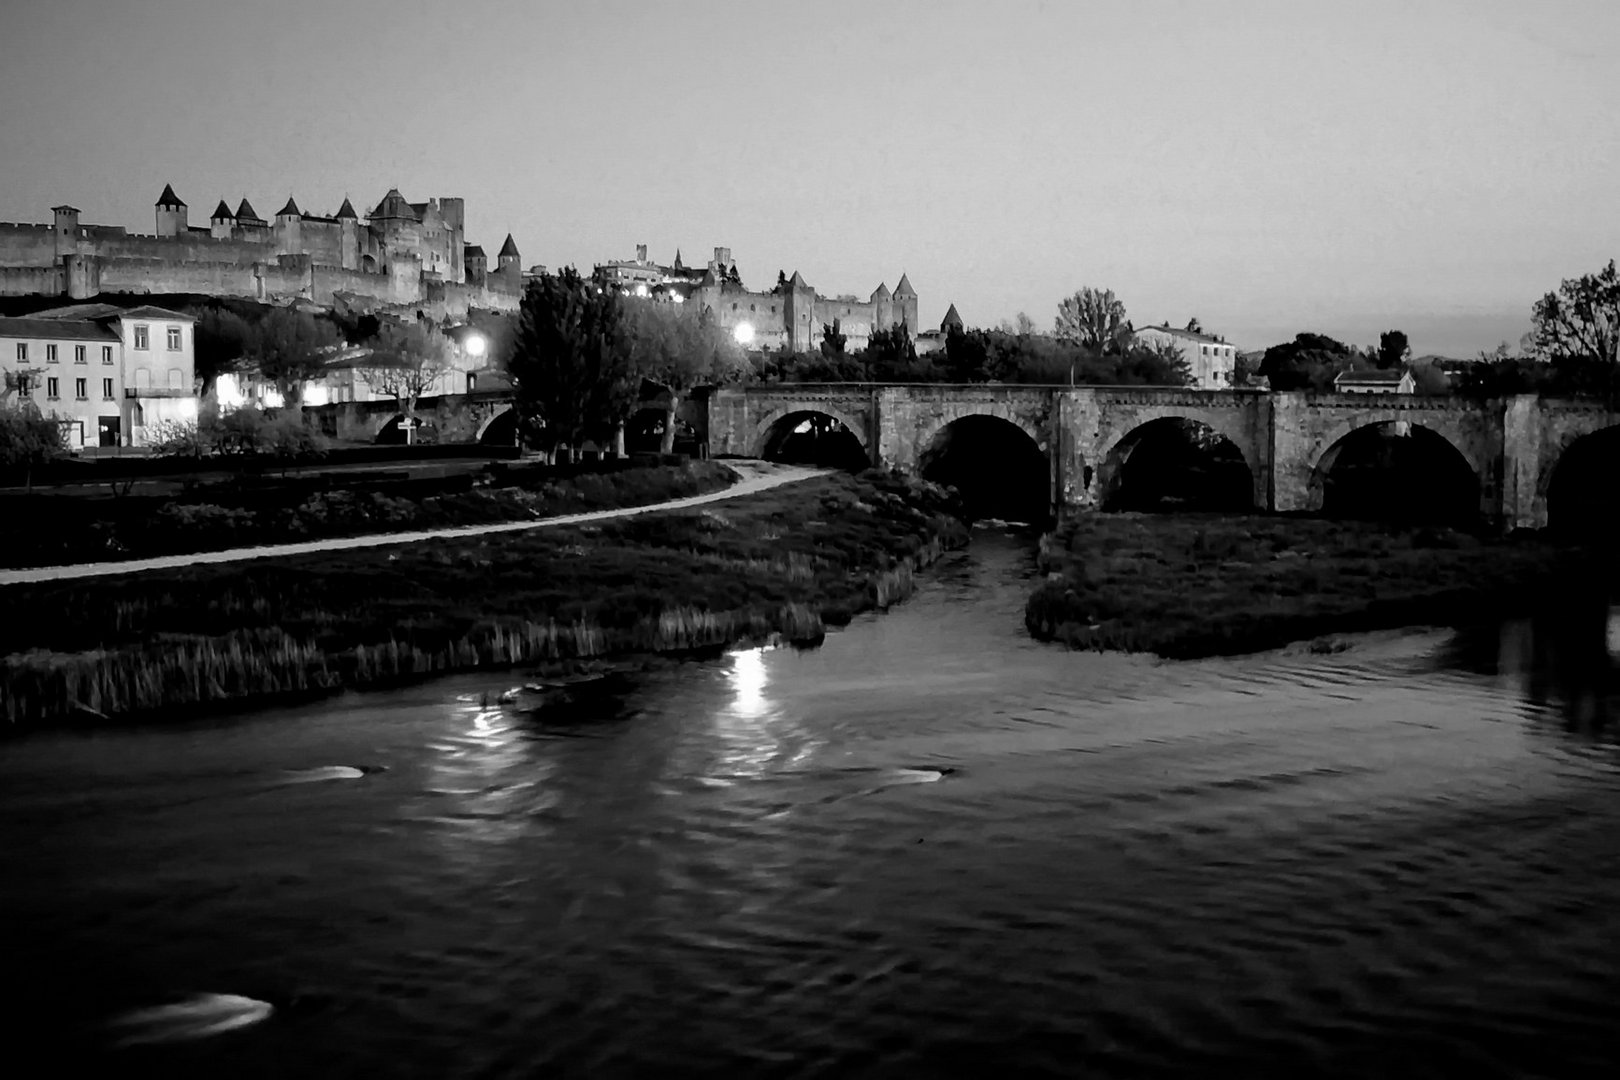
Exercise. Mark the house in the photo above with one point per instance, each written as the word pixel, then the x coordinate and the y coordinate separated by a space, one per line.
pixel 1393 381
pixel 1211 360
pixel 108 375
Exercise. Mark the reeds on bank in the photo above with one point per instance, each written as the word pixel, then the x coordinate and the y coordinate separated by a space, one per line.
pixel 675 584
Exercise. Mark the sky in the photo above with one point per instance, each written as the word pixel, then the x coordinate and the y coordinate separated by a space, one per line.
pixel 1433 166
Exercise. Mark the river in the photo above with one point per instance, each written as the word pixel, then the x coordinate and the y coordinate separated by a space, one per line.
pixel 931 846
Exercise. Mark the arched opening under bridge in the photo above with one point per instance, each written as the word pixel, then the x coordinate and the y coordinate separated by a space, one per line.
pixel 397 431
pixel 1396 471
pixel 1174 464
pixel 1000 471
pixel 1581 501
pixel 501 430
pixel 814 438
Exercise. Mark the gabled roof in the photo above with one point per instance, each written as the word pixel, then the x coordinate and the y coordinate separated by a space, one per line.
pixel 346 210
pixel 70 329
pixel 393 205
pixel 472 251
pixel 904 288
pixel 221 211
pixel 882 291
pixel 147 311
pixel 509 249
pixel 245 212
pixel 290 210
pixel 1371 378
pixel 169 198
pixel 951 319
pixel 1188 335
pixel 78 311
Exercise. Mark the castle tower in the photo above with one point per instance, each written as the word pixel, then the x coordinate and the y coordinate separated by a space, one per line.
pixel 349 224
pixel 453 212
pixel 952 323
pixel 221 222
pixel 905 304
pixel 882 307
pixel 289 229
pixel 171 213
pixel 476 263
pixel 67 229
pixel 799 313
pixel 508 260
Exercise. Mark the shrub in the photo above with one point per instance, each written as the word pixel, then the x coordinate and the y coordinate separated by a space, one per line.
pixel 27 441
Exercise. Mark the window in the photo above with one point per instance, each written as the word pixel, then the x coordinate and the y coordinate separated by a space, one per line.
pixel 78 354
pixel 53 388
pixel 176 379
pixel 141 341
pixel 106 389
pixel 81 388
pixel 174 339
pixel 50 354
pixel 22 350
pixel 106 354
pixel 24 387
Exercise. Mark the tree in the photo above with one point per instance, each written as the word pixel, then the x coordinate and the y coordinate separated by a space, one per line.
pixel 1581 321
pixel 679 350
pixel 290 348
pixel 28 440
pixel 565 348
pixel 833 339
pixel 1094 318
pixel 891 356
pixel 1309 362
pixel 407 359
pixel 1393 350
pixel 222 338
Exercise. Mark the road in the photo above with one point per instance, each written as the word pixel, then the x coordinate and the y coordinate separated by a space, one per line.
pixel 753 477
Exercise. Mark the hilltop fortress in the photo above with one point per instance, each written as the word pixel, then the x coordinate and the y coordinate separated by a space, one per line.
pixel 402 256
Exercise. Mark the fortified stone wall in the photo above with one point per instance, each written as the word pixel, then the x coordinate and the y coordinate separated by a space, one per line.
pixel 31 281
pixel 161 276
pixel 27 245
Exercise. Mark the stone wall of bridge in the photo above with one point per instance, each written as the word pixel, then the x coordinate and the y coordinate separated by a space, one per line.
pixel 1289 440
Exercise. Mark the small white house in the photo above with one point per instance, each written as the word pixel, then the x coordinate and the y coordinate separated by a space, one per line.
pixel 1396 381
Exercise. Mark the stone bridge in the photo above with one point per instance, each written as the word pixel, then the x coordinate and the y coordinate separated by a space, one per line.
pixel 1288 440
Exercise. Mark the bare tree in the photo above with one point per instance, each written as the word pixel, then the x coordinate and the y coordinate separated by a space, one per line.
pixel 1581 320
pixel 289 348
pixel 407 360
pixel 1094 318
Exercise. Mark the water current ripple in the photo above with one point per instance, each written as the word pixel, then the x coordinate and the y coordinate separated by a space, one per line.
pixel 931 847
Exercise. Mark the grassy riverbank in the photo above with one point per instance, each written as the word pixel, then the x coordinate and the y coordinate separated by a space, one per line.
pixel 48 528
pixel 789 561
pixel 1185 586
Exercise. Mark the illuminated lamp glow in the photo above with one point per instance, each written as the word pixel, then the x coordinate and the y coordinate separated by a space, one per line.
pixel 744 333
pixel 475 344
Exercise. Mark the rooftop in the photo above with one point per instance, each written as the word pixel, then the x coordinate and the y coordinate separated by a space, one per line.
pixel 1371 378
pixel 71 329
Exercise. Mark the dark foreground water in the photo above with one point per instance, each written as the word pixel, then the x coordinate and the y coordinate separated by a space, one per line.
pixel 1401 859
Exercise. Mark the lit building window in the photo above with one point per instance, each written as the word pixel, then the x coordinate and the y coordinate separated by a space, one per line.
pixel 141 341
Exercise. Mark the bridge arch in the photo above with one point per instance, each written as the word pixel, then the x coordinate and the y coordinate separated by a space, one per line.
pixel 498 428
pixel 1451 462
pixel 1205 444
pixel 1573 485
pixel 997 464
pixel 769 426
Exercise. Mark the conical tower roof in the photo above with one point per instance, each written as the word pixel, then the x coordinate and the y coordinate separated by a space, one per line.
pixel 245 210
pixel 678 265
pixel 509 249
pixel 291 209
pixel 346 210
pixel 952 318
pixel 904 288
pixel 882 291
pixel 222 211
pixel 798 282
pixel 169 198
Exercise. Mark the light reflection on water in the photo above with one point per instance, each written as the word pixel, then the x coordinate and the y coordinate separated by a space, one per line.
pixel 1313 864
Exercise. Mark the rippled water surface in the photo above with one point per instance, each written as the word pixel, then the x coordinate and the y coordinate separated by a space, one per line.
pixel 931 846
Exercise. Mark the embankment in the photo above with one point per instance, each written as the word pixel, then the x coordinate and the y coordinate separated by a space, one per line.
pixel 1185 586
pixel 785 562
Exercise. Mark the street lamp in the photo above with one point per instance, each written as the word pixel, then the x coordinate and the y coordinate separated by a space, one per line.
pixel 475 345
pixel 744 333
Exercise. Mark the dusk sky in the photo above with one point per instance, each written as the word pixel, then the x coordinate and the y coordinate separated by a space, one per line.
pixel 1269 167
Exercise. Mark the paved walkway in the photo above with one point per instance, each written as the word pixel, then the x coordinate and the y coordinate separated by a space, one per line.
pixel 753 477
